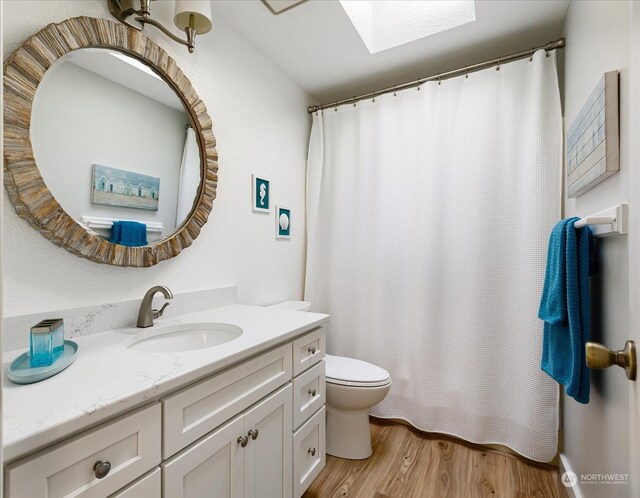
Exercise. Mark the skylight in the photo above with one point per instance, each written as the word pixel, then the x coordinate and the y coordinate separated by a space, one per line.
pixel 383 24
pixel 135 63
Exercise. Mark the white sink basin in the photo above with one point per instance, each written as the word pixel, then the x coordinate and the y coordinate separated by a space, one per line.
pixel 185 337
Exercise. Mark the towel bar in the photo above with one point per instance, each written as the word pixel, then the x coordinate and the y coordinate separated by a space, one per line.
pixel 612 221
pixel 96 222
pixel 595 220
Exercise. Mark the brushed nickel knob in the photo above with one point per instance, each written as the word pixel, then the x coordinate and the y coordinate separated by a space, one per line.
pixel 101 468
pixel 243 440
pixel 312 392
pixel 253 433
pixel 312 349
pixel 312 451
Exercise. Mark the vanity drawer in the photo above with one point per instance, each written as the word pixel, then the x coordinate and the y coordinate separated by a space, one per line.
pixel 308 452
pixel 131 444
pixel 308 393
pixel 308 350
pixel 147 486
pixel 198 409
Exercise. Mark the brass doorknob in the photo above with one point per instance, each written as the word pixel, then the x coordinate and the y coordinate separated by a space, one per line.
pixel 600 356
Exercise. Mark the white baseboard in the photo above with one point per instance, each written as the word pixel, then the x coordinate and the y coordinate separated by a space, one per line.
pixel 565 466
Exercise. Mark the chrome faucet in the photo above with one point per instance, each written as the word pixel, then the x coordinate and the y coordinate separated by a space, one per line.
pixel 146 315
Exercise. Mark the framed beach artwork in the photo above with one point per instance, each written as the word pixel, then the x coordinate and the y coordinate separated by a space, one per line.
pixel 260 188
pixel 117 187
pixel 283 222
pixel 593 143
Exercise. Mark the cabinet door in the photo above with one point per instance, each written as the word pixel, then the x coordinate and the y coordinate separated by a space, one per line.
pixel 268 460
pixel 198 409
pixel 130 445
pixel 212 467
pixel 145 487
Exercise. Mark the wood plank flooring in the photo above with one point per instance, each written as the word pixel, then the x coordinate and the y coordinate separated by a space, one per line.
pixel 407 463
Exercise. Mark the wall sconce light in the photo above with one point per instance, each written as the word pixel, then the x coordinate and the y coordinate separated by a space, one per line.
pixel 191 16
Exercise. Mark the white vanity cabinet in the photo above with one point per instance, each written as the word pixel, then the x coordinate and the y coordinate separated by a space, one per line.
pixel 252 430
pixel 229 462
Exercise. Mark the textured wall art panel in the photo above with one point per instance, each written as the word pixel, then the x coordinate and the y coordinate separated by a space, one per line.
pixel 592 140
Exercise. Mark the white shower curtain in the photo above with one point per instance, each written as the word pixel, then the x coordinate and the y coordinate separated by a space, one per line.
pixel 428 220
pixel 189 177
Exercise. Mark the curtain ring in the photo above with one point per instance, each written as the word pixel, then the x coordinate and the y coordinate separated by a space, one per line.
pixel 547 49
pixel 439 82
pixel 531 57
pixel 373 97
pixel 419 83
pixel 394 91
pixel 336 106
pixel 466 73
pixel 498 66
pixel 354 101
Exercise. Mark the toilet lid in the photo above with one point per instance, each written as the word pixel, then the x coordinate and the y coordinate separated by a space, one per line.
pixel 352 372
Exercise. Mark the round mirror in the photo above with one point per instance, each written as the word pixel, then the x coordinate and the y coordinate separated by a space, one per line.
pixel 113 142
pixel 102 127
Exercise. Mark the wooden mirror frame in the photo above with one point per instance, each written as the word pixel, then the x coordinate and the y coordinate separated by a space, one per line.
pixel 33 201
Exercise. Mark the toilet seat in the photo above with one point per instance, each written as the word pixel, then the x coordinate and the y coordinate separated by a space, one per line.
pixel 356 373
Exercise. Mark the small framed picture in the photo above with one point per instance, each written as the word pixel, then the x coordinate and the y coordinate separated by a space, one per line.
pixel 260 193
pixel 283 222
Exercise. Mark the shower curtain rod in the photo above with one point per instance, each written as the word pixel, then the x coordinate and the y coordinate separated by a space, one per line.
pixel 441 76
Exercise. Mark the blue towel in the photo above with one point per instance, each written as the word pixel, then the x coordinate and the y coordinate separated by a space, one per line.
pixel 565 308
pixel 129 233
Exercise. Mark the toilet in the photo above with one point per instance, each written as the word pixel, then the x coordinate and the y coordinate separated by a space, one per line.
pixel 353 387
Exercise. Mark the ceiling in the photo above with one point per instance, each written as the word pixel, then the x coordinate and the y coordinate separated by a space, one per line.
pixel 318 47
pixel 128 72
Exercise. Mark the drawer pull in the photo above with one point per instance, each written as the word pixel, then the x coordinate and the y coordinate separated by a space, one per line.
pixel 253 433
pixel 101 468
pixel 243 440
pixel 312 451
pixel 312 349
pixel 312 392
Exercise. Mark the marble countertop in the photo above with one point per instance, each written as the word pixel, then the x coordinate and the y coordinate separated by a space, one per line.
pixel 108 379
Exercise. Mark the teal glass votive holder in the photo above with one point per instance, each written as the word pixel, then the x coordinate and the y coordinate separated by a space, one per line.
pixel 47 342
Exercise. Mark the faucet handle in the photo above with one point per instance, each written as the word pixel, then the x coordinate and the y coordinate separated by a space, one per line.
pixel 158 313
pixel 146 313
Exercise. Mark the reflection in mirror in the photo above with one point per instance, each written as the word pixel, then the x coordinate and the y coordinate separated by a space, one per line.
pixel 113 142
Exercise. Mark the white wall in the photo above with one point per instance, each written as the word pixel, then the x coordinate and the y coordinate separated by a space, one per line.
pixel 1 271
pixel 80 118
pixel 596 435
pixel 634 242
pixel 261 125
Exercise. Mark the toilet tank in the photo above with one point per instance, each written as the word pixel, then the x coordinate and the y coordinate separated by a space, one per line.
pixel 292 305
